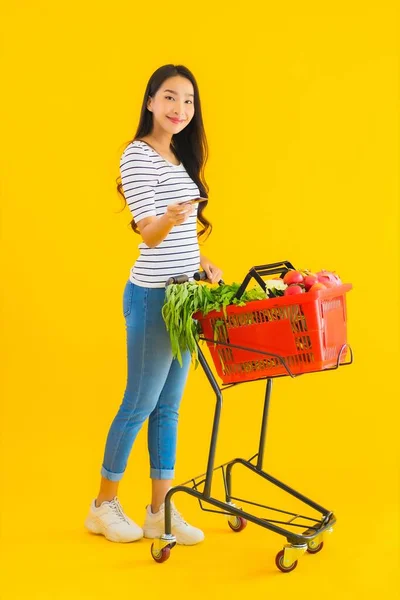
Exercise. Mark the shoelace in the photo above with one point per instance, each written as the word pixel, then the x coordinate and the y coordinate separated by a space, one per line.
pixel 117 509
pixel 175 513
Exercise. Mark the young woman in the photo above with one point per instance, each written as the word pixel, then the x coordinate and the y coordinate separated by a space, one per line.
pixel 162 171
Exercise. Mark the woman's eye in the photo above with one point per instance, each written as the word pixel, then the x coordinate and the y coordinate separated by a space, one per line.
pixel 171 98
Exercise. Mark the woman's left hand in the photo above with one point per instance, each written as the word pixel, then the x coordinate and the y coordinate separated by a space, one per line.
pixel 214 274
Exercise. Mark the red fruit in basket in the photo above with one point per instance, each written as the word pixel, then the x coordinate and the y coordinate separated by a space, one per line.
pixel 329 277
pixel 309 281
pixel 294 289
pixel 293 277
pixel 317 286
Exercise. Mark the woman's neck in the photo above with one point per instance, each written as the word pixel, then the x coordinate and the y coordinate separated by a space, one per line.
pixel 161 141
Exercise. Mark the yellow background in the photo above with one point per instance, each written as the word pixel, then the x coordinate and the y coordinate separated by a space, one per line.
pixel 300 108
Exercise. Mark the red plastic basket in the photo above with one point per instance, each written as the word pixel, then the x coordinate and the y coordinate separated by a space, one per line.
pixel 307 330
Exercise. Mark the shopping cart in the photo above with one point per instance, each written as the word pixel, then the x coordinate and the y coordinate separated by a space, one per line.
pixel 275 337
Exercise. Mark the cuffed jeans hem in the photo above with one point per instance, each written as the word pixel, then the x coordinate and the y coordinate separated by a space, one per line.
pixel 111 476
pixel 161 474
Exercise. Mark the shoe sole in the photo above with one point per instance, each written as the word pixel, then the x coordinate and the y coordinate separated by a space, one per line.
pixel 94 527
pixel 152 535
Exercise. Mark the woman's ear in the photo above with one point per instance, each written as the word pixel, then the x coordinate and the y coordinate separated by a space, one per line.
pixel 149 100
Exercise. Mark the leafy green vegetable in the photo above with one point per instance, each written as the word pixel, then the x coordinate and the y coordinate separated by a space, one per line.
pixel 183 300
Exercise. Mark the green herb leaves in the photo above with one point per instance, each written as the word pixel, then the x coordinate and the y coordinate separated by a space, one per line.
pixel 183 300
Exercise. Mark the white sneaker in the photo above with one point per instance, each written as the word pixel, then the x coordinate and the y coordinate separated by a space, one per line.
pixel 109 520
pixel 154 527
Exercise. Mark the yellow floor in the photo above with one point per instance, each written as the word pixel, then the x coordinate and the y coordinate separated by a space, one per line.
pixel 319 442
pixel 47 554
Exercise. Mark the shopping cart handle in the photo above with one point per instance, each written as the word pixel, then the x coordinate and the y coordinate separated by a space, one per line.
pixel 177 279
pixel 198 276
pixel 202 276
pixel 257 272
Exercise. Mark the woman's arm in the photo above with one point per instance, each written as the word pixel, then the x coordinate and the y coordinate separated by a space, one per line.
pixel 155 229
pixel 214 273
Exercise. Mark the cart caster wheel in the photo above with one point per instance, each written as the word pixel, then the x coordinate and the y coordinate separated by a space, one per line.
pixel 281 566
pixel 162 555
pixel 316 549
pixel 237 523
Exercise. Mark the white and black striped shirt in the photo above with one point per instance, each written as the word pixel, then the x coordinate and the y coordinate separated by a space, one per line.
pixel 150 183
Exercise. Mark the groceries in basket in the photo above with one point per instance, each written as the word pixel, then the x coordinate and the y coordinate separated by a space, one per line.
pixel 183 300
pixel 298 282
pixel 187 305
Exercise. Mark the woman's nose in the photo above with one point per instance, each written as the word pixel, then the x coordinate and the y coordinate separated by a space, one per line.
pixel 180 109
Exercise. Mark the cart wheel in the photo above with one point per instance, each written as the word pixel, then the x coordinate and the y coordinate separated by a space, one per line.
pixel 237 523
pixel 162 556
pixel 281 566
pixel 316 549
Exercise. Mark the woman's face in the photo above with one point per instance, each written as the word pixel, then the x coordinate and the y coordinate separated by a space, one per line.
pixel 172 105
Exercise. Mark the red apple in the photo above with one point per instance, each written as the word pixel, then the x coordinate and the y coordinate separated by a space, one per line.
pixel 294 289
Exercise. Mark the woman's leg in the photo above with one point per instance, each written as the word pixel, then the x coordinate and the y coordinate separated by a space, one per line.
pixel 162 431
pixel 162 438
pixel 149 362
pixel 108 491
pixel 159 489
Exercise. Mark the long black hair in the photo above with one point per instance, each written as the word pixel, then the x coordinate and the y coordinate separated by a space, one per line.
pixel 189 146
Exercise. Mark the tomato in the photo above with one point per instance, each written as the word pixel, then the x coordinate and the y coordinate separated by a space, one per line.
pixel 309 281
pixel 293 277
pixel 294 289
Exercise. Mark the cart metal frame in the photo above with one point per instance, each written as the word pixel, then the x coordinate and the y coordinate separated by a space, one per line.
pixel 314 530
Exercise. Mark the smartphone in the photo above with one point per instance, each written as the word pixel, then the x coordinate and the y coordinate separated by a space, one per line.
pixel 195 201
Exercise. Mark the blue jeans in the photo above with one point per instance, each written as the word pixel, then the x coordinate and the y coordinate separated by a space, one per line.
pixel 154 388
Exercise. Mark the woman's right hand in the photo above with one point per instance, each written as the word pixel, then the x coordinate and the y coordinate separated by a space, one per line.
pixel 178 213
